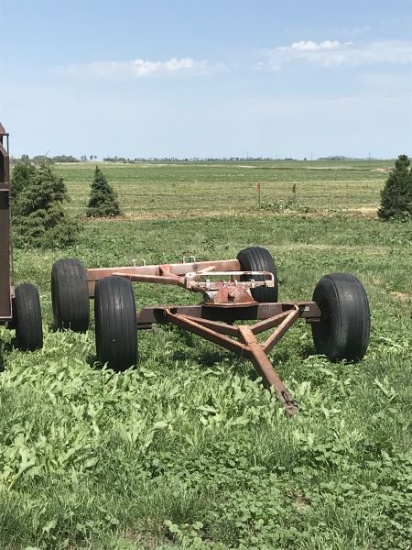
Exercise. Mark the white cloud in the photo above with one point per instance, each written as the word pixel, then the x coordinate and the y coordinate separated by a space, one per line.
pixel 309 45
pixel 137 68
pixel 332 53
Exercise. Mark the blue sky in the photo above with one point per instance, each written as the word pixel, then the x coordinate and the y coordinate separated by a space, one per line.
pixel 183 78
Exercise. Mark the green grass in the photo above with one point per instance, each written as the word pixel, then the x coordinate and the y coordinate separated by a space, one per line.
pixel 188 450
pixel 187 189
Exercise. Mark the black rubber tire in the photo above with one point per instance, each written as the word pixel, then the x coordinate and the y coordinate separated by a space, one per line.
pixel 256 258
pixel 116 325
pixel 70 295
pixel 27 318
pixel 344 329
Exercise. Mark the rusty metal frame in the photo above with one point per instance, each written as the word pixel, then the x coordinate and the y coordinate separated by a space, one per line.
pixel 225 302
pixel 6 289
pixel 164 274
pixel 247 345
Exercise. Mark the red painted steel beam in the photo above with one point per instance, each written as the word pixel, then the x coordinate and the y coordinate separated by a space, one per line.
pixel 281 330
pixel 149 316
pixel 222 328
pixel 161 271
pixel 269 323
pixel 264 367
pixel 205 332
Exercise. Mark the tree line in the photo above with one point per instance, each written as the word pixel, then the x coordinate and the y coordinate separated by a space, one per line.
pixel 126 160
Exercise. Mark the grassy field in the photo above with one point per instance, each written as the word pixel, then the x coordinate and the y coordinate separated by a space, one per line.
pixel 173 190
pixel 188 450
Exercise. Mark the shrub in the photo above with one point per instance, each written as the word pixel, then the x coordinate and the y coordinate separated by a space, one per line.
pixel 21 176
pixel 396 197
pixel 41 219
pixel 103 199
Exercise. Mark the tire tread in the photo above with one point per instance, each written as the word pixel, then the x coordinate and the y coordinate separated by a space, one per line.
pixel 344 330
pixel 115 320
pixel 70 295
pixel 27 317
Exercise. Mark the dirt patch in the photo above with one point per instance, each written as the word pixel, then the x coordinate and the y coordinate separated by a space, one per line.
pixel 402 296
pixel 175 215
pixel 356 250
pixel 144 539
pixel 367 212
pixel 364 212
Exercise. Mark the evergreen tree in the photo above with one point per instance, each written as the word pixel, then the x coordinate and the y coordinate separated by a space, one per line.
pixel 103 199
pixel 21 177
pixel 396 196
pixel 41 219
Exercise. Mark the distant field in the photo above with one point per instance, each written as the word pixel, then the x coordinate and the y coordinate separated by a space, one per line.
pixel 172 190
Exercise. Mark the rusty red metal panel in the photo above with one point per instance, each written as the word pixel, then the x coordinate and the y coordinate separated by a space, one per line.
pixel 5 226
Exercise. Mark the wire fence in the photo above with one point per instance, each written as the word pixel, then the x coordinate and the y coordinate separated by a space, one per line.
pixel 159 191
